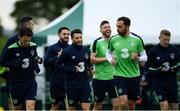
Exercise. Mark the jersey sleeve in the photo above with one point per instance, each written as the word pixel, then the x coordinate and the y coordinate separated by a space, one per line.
pixel 91 47
pixel 49 59
pixel 176 64
pixel 150 65
pixel 140 45
pixel 110 45
pixel 61 63
pixel 7 62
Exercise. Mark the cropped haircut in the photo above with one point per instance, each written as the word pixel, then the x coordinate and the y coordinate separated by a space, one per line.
pixel 75 31
pixel 126 20
pixel 25 32
pixel 62 28
pixel 24 20
pixel 165 32
pixel 104 22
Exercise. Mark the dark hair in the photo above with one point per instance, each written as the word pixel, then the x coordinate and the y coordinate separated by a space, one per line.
pixel 104 22
pixel 126 20
pixel 75 31
pixel 24 20
pixel 62 28
pixel 165 32
pixel 25 32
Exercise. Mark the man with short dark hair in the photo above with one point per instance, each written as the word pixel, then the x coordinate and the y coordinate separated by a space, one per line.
pixel 125 52
pixel 163 64
pixel 57 79
pixel 75 60
pixel 103 81
pixel 24 22
pixel 20 59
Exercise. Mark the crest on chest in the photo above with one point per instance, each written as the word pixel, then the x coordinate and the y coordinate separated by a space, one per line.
pixel 17 54
pixel 172 55
pixel 32 52
pixel 86 55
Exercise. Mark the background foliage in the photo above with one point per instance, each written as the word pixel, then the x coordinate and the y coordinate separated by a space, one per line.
pixel 41 9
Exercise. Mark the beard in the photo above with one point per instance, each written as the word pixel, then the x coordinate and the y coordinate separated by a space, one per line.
pixel 122 33
pixel 64 41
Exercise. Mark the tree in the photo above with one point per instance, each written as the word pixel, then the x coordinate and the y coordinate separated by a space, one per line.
pixel 41 9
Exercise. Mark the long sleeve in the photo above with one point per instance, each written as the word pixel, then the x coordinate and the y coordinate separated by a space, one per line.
pixel 50 58
pixel 151 67
pixel 61 63
pixel 9 63
pixel 176 65
pixel 109 56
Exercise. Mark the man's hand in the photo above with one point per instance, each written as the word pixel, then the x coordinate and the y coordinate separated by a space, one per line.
pixel 59 53
pixel 39 60
pixel 77 68
pixel 113 61
pixel 134 56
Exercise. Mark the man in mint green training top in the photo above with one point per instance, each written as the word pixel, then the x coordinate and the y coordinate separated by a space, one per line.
pixel 103 80
pixel 125 51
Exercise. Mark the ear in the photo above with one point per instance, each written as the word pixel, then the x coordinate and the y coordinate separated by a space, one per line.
pixel 100 30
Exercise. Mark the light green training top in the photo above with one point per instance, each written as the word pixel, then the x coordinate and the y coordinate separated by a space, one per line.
pixel 122 48
pixel 104 70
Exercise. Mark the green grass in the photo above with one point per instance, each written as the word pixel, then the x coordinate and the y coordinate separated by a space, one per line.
pixel 2 42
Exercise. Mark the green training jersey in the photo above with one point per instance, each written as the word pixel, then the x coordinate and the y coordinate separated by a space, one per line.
pixel 122 48
pixel 104 70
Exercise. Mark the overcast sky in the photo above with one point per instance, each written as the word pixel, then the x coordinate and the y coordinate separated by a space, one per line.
pixel 148 16
pixel 6 7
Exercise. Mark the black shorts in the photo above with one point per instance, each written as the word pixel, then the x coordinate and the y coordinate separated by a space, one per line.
pixel 21 92
pixel 100 87
pixel 128 86
pixel 75 95
pixel 166 91
pixel 57 93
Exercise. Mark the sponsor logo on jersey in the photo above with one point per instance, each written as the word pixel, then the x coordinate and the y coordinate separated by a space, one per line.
pixel 158 58
pixel 132 44
pixel 120 91
pixel 53 100
pixel 32 52
pixel 96 98
pixel 15 101
pixel 17 54
pixel 73 57
pixel 71 102
pixel 159 97
pixel 172 55
pixel 86 55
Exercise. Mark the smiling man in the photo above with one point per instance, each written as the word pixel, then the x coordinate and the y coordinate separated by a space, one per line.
pixel 20 59
pixel 75 60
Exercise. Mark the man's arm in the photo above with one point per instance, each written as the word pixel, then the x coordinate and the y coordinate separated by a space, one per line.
pixel 110 57
pixel 61 63
pixel 49 59
pixel 142 56
pixel 150 64
pixel 9 63
pixel 96 60
pixel 10 41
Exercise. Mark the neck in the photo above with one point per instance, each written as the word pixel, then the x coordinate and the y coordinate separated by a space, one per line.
pixel 20 44
pixel 163 45
pixel 62 42
pixel 127 34
pixel 106 38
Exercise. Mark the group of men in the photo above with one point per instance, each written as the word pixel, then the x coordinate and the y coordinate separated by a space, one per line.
pixel 113 61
